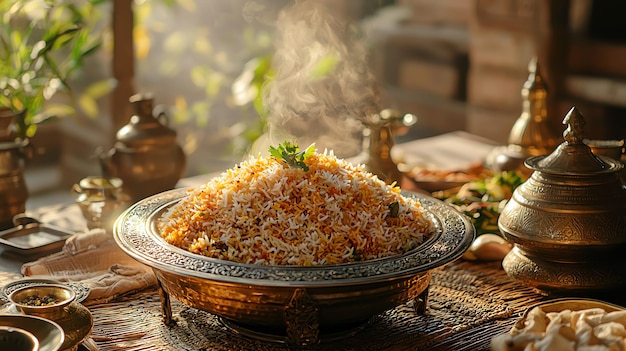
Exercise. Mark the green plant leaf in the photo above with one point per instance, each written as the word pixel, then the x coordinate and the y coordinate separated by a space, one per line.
pixel 100 88
pixel 31 130
pixel 52 65
pixel 57 39
pixel 79 42
pixel 289 153
pixel 16 39
pixel 90 48
pixel 88 105
pixel 59 110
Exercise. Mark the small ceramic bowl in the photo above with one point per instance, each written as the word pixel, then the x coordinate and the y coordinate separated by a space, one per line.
pixel 47 301
pixel 16 339
pixel 573 304
pixel 519 338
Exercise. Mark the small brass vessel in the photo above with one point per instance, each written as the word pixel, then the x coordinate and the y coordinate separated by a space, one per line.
pixel 101 200
pixel 567 221
pixel 379 139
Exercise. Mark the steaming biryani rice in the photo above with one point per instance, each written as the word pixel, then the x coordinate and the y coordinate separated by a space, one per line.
pixel 263 212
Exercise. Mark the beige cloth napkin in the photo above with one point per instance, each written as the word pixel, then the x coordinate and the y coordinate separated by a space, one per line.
pixel 94 259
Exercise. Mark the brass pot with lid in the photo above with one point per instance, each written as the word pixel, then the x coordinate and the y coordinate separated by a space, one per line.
pixel 568 220
pixel 146 156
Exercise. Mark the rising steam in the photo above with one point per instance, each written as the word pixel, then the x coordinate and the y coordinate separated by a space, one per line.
pixel 323 87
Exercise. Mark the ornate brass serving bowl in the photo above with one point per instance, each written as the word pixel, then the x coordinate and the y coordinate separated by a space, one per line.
pixel 294 304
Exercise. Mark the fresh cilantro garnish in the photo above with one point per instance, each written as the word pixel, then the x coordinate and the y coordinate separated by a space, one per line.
pixel 290 154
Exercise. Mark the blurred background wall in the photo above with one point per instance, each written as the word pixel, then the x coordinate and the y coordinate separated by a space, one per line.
pixel 456 64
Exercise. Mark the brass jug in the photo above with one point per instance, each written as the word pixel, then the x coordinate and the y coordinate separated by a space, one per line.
pixel 146 155
pixel 568 220
pixel 13 154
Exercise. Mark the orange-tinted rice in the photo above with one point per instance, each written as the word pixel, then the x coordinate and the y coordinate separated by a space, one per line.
pixel 261 212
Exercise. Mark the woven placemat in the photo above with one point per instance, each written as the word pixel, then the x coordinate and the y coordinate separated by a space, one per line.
pixel 468 304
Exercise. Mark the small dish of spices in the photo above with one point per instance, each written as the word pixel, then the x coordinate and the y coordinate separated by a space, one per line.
pixel 45 301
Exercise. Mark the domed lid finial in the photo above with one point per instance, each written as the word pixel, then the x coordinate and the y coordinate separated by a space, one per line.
pixel 575 125
pixel 573 156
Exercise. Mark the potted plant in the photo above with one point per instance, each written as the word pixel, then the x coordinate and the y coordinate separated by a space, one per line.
pixel 42 43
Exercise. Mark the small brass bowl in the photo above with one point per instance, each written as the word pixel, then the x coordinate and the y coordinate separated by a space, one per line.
pixel 16 339
pixel 60 295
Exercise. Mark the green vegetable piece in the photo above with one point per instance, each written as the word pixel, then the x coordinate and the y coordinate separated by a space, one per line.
pixel 394 209
pixel 290 154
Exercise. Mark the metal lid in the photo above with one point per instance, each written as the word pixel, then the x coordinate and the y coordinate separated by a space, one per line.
pixel 573 156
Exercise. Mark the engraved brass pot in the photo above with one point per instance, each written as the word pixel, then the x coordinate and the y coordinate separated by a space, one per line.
pixel 291 304
pixel 567 221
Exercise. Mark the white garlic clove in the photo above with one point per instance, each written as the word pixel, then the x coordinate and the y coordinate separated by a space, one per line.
pixel 488 247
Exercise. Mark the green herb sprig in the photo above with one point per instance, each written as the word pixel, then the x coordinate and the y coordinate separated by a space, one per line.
pixel 290 154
